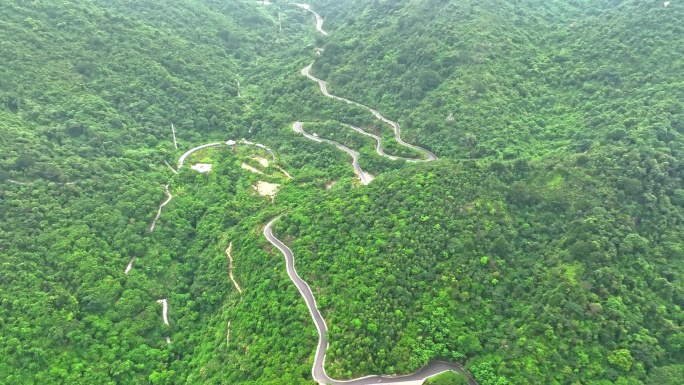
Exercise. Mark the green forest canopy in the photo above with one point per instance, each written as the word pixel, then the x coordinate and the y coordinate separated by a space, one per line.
pixel 543 248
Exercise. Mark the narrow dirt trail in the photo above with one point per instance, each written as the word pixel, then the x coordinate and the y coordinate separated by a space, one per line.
pixel 284 172
pixel 19 183
pixel 156 218
pixel 238 86
pixel 129 266
pixel 165 310
pixel 228 334
pixel 173 131
pixel 230 267
pixel 172 169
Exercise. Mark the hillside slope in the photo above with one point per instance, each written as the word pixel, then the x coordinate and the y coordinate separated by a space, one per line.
pixel 559 272
pixel 88 93
pixel 508 80
pixel 544 247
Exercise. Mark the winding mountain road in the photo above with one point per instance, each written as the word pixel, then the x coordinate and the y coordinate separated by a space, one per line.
pixel 306 71
pixel 318 370
pixel 429 156
pixel 433 368
pixel 378 141
pixel 319 19
pixel 363 176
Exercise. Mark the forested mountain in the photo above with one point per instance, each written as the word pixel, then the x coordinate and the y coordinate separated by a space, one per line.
pixel 511 79
pixel 543 247
pixel 89 91
pixel 514 267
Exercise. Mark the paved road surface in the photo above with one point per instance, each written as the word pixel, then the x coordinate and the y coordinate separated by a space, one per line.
pixel 318 370
pixel 181 160
pixel 319 19
pixel 306 71
pixel 363 176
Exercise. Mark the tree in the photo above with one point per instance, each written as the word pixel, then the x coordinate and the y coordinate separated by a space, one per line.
pixel 622 359
pixel 666 375
pixel 428 79
pixel 23 162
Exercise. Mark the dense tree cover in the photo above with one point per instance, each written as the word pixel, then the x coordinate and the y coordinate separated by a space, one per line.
pixel 559 272
pixel 509 79
pixel 219 335
pixel 89 91
pixel 549 254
